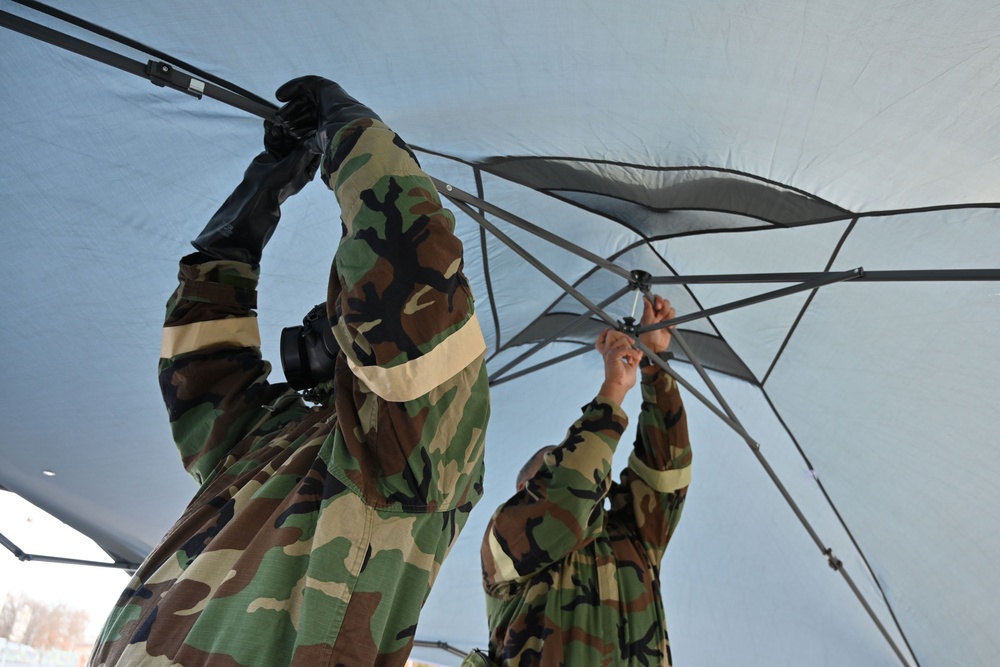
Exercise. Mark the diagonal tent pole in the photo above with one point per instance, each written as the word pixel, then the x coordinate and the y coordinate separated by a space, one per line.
pixel 725 413
pixel 158 72
pixel 583 349
pixel 498 376
pixel 526 256
pixel 734 422
pixel 456 195
pixel 444 646
pixel 260 105
pixel 462 200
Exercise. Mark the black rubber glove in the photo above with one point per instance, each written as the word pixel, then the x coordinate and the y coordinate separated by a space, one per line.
pixel 313 99
pixel 241 227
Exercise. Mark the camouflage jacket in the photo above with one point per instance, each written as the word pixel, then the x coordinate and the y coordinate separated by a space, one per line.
pixel 318 531
pixel 571 583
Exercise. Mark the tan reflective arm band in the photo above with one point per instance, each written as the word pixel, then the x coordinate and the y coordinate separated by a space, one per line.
pixel 234 331
pixel 664 481
pixel 418 376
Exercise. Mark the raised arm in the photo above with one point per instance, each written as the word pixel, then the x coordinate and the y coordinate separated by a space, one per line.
pixel 560 508
pixel 212 377
pixel 654 485
pixel 412 399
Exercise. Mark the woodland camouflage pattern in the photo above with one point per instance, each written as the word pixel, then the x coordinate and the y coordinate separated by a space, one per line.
pixel 569 583
pixel 318 531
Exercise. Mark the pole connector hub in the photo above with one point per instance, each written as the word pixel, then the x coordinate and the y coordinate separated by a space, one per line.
pixel 629 326
pixel 640 280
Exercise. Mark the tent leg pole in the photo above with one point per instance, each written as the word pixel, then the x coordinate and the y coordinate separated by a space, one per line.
pixel 676 335
pixel 733 421
pixel 726 415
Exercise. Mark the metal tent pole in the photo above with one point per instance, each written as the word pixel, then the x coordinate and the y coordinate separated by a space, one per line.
pixel 497 377
pixel 22 556
pixel 734 422
pixel 526 256
pixel 456 195
pixel 725 413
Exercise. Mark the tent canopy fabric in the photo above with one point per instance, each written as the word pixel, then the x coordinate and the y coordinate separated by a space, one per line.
pixel 679 139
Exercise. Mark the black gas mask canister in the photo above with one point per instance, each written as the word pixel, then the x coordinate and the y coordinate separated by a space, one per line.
pixel 309 352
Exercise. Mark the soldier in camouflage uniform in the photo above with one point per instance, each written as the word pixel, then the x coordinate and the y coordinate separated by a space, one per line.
pixel 569 583
pixel 317 531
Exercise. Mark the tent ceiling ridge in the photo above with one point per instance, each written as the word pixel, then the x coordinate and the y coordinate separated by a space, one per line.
pixel 662 210
pixel 659 191
pixel 502 160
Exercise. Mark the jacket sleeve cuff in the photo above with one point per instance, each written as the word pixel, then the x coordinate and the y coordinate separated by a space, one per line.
pixel 212 306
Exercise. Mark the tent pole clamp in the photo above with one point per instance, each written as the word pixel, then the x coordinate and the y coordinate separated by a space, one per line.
pixel 640 280
pixel 164 75
pixel 628 325
pixel 835 563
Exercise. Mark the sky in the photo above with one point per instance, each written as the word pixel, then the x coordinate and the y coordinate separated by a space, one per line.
pixel 93 589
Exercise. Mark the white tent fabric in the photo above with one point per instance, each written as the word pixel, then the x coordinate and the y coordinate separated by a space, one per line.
pixel 768 138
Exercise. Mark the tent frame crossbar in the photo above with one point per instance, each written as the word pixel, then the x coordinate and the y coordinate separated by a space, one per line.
pixel 25 557
pixel 583 349
pixel 806 282
pixel 456 195
pixel 923 275
pixel 158 72
pixel 538 347
pixel 820 280
pixel 444 646
pixel 528 257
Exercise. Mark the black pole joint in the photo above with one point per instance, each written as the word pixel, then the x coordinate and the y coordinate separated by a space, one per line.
pixel 641 280
pixel 831 560
pixel 165 75
pixel 629 326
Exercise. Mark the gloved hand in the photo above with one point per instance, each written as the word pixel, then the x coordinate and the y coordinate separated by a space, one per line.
pixel 241 227
pixel 313 99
